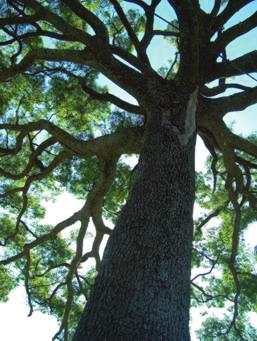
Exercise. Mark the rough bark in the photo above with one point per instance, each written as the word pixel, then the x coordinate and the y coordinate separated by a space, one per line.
pixel 143 289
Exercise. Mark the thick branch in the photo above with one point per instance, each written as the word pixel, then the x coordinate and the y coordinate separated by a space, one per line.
pixel 29 19
pixel 98 26
pixel 106 97
pixel 79 57
pixel 216 8
pixel 236 102
pixel 59 23
pixel 134 61
pixel 236 67
pixel 187 13
pixel 125 141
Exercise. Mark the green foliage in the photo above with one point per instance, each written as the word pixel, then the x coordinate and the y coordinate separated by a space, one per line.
pixel 212 252
pixel 7 283
pixel 117 196
pixel 117 30
pixel 73 109
pixel 215 329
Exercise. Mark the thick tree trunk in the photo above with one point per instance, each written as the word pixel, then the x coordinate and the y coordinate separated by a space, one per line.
pixel 143 289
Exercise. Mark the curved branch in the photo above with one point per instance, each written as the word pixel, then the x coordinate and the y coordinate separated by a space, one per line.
pixel 211 215
pixel 32 161
pixel 137 63
pixel 45 54
pixel 44 238
pixel 37 33
pixel 210 92
pixel 92 207
pixel 240 143
pixel 85 215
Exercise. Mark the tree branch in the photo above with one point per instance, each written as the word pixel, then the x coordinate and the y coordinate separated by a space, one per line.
pixel 149 32
pixel 236 102
pixel 210 92
pixel 43 238
pixel 125 141
pixel 45 54
pixel 106 97
pixel 129 29
pixel 97 25
pixel 236 67
pixel 232 7
pixel 60 24
pixel 187 13
pixel 234 32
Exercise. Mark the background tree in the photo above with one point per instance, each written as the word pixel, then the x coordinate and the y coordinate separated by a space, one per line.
pixel 61 130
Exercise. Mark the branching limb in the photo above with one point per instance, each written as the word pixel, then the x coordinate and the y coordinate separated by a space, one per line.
pixel 125 141
pixel 32 162
pixel 44 54
pixel 149 31
pixel 214 262
pixel 25 189
pixel 92 207
pixel 85 214
pixel 44 238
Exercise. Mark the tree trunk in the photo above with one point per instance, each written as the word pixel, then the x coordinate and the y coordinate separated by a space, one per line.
pixel 143 289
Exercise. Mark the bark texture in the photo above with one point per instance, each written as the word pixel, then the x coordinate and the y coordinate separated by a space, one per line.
pixel 143 289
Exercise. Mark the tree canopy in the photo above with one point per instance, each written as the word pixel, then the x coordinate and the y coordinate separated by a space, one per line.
pixel 61 129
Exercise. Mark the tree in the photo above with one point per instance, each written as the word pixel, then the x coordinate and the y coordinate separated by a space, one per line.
pixel 62 130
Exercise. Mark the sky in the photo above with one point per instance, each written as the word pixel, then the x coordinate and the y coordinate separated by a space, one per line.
pixel 41 327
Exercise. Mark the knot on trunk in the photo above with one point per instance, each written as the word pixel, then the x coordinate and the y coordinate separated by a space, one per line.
pixel 184 133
